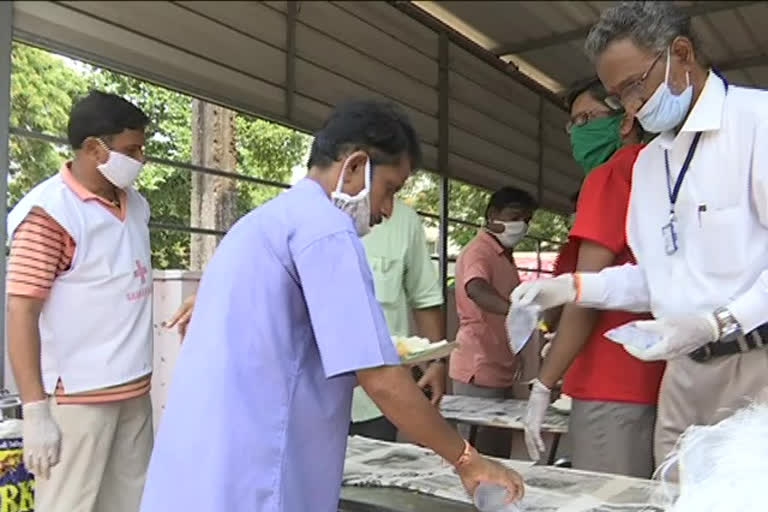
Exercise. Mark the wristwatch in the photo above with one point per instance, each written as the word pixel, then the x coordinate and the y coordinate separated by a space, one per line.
pixel 728 327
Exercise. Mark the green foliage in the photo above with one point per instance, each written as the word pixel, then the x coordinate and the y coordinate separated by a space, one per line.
pixel 268 151
pixel 43 89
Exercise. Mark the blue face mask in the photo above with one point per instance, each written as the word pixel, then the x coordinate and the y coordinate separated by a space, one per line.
pixel 664 110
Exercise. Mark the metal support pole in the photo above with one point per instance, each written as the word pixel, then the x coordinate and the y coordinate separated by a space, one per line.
pixel 442 154
pixel 290 57
pixel 540 140
pixel 6 27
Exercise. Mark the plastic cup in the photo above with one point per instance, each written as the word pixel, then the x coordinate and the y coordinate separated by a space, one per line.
pixel 492 498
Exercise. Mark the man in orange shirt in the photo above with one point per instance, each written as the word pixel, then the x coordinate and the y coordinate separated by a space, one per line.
pixel 80 316
pixel 486 274
pixel 614 394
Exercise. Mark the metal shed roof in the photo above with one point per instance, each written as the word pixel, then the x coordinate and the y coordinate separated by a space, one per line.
pixel 292 61
pixel 549 36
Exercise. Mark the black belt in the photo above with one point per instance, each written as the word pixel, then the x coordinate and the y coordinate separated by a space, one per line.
pixel 750 341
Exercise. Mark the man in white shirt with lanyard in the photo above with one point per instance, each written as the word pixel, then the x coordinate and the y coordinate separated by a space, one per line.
pixel 697 220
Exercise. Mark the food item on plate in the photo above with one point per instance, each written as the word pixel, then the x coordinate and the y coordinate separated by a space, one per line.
pixel 408 345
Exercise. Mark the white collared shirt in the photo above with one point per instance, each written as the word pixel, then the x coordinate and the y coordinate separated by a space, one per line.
pixel 721 216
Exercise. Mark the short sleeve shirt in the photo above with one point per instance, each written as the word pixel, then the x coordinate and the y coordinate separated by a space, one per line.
pixel 258 411
pixel 405 278
pixel 404 275
pixel 603 370
pixel 483 356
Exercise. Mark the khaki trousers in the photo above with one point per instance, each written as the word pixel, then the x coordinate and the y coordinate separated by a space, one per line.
pixel 705 393
pixel 105 451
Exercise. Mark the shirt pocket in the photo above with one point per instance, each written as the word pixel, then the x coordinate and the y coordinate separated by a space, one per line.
pixel 716 241
pixel 387 278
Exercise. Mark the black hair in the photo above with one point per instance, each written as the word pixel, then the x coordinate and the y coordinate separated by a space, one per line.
pixel 596 89
pixel 379 128
pixel 575 197
pixel 592 85
pixel 510 197
pixel 100 114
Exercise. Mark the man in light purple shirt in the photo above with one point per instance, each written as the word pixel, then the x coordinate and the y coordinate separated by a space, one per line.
pixel 285 322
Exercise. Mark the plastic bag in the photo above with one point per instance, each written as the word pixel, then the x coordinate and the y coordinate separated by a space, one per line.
pixel 721 467
pixel 630 334
pixel 521 323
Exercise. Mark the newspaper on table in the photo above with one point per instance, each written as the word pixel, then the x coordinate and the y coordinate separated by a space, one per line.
pixel 496 412
pixel 372 463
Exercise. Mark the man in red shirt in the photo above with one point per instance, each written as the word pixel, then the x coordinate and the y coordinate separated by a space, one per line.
pixel 614 394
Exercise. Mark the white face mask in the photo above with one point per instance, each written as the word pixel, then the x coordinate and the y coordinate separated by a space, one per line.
pixel 664 110
pixel 119 169
pixel 359 206
pixel 513 232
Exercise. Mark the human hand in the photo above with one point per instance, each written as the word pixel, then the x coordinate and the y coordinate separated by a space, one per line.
pixel 677 336
pixel 546 293
pixel 434 379
pixel 538 401
pixel 182 316
pixel 477 469
pixel 41 438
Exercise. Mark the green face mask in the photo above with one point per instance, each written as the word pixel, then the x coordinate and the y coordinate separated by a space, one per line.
pixel 593 143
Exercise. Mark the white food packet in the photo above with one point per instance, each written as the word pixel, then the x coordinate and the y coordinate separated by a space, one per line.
pixel 631 335
pixel 521 322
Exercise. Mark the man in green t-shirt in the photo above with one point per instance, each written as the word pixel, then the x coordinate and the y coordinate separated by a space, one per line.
pixel 406 284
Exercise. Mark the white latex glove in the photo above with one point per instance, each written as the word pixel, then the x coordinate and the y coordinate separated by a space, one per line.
pixel 546 293
pixel 534 417
pixel 679 336
pixel 42 438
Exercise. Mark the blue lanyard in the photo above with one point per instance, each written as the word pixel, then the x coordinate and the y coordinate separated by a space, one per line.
pixel 674 192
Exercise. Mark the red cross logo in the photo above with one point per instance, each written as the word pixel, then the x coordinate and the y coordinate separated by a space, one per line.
pixel 140 272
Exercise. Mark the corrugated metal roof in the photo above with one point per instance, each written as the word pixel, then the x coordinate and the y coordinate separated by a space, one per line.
pixel 549 35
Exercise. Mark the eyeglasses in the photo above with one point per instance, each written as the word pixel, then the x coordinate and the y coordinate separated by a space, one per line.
pixel 585 117
pixel 618 100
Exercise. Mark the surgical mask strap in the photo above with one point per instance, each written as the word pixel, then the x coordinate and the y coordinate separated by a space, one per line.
pixel 368 171
pixel 666 73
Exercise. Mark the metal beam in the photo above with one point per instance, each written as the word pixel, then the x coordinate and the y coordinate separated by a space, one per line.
pixel 6 27
pixel 697 9
pixel 443 136
pixel 475 49
pixel 540 140
pixel 290 57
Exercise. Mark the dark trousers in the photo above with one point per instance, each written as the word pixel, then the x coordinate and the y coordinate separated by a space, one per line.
pixel 379 428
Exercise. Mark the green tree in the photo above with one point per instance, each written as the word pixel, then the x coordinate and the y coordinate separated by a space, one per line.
pixel 268 151
pixel 42 88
